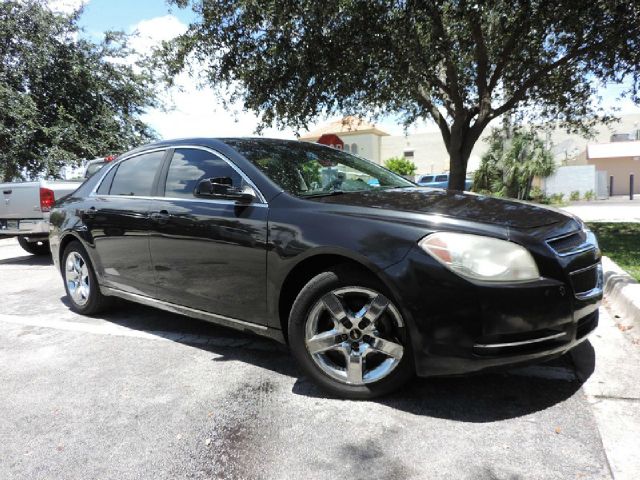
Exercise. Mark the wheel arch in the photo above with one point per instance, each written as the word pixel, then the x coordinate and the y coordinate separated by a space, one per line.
pixel 64 242
pixel 311 266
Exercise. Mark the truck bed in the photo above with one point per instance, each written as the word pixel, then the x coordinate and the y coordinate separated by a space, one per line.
pixel 20 205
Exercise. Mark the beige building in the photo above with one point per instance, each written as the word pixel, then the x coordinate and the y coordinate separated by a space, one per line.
pixel 359 137
pixel 428 152
pixel 619 160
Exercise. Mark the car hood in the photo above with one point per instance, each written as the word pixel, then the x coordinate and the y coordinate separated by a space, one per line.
pixel 465 206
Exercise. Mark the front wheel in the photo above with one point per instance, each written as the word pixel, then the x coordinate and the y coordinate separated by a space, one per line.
pixel 40 247
pixel 349 336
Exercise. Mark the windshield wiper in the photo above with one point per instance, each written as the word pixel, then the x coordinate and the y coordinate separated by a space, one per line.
pixel 324 194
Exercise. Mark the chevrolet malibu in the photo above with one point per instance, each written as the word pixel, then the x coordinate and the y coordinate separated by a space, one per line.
pixel 369 278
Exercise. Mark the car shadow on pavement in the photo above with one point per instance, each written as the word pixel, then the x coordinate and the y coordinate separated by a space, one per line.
pixel 28 260
pixel 488 397
pixel 475 398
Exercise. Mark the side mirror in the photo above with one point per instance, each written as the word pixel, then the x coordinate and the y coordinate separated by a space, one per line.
pixel 222 188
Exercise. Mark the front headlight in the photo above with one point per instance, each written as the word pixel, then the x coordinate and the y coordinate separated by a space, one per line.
pixel 481 258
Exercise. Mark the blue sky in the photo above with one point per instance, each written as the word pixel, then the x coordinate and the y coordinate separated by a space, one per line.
pixel 198 112
pixel 102 15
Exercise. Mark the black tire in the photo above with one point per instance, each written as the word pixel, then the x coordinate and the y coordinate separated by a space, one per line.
pixel 340 278
pixel 92 303
pixel 41 247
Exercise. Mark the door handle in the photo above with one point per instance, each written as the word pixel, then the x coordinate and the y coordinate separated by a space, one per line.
pixel 161 217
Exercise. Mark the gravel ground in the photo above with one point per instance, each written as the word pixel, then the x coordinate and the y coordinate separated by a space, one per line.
pixel 141 393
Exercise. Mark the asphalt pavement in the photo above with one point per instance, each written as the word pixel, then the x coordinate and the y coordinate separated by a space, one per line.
pixel 141 393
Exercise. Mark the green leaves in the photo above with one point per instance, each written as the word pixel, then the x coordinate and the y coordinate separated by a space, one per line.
pixel 461 64
pixel 401 166
pixel 65 98
pixel 513 160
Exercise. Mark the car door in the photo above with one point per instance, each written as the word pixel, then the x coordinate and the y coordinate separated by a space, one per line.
pixel 117 217
pixel 209 254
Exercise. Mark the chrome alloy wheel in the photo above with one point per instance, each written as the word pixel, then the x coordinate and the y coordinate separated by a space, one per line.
pixel 352 334
pixel 77 278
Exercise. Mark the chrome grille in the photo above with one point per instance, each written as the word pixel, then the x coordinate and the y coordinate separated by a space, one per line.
pixel 585 280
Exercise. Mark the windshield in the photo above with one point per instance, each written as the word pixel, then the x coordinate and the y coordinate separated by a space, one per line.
pixel 307 169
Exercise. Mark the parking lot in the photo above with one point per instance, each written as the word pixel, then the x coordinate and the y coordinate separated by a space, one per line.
pixel 140 393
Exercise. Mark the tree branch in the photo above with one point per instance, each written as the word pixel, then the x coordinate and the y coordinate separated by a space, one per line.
pixel 509 47
pixel 534 78
pixel 481 56
pixel 437 116
pixel 452 74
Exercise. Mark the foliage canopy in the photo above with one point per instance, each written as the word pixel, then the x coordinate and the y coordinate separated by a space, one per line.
pixel 459 63
pixel 63 97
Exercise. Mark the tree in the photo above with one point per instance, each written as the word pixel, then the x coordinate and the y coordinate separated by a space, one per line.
pixel 63 97
pixel 401 166
pixel 513 160
pixel 459 63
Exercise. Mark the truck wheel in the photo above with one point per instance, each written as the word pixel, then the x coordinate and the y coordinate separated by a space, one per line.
pixel 41 247
pixel 348 336
pixel 81 283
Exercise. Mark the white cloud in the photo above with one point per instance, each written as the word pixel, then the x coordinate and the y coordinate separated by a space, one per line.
pixel 66 6
pixel 150 33
pixel 197 111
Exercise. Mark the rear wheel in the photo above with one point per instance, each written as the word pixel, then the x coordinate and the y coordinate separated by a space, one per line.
pixel 349 336
pixel 40 247
pixel 80 281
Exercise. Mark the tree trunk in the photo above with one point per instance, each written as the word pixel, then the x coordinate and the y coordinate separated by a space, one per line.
pixel 457 170
pixel 462 138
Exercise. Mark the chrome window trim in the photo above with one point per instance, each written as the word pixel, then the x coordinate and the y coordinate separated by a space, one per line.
pixel 116 162
pixel 182 199
pixel 259 196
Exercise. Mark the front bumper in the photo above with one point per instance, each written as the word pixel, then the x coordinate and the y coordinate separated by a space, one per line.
pixel 459 327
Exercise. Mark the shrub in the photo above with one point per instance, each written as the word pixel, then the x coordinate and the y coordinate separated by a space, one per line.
pixel 557 198
pixel 590 195
pixel 575 196
pixel 536 194
pixel 401 166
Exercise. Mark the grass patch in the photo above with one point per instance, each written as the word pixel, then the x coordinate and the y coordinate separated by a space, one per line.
pixel 621 243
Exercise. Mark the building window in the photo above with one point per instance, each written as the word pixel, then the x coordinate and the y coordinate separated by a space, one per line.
pixel 354 148
pixel 408 154
pixel 346 147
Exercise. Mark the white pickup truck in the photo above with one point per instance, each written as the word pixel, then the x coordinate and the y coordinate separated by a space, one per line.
pixel 24 211
pixel 25 207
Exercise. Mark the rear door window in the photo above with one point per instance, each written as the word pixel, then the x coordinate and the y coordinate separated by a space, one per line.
pixel 105 186
pixel 428 178
pixel 189 166
pixel 135 176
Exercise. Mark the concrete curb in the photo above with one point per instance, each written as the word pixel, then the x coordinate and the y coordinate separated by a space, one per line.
pixel 621 291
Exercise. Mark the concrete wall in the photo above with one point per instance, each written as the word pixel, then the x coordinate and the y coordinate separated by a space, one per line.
pixel 620 168
pixel 429 152
pixel 569 179
pixel 368 144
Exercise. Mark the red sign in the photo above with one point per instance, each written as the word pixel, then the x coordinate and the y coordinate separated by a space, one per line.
pixel 331 140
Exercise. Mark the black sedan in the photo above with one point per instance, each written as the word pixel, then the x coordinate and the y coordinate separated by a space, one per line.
pixel 369 278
